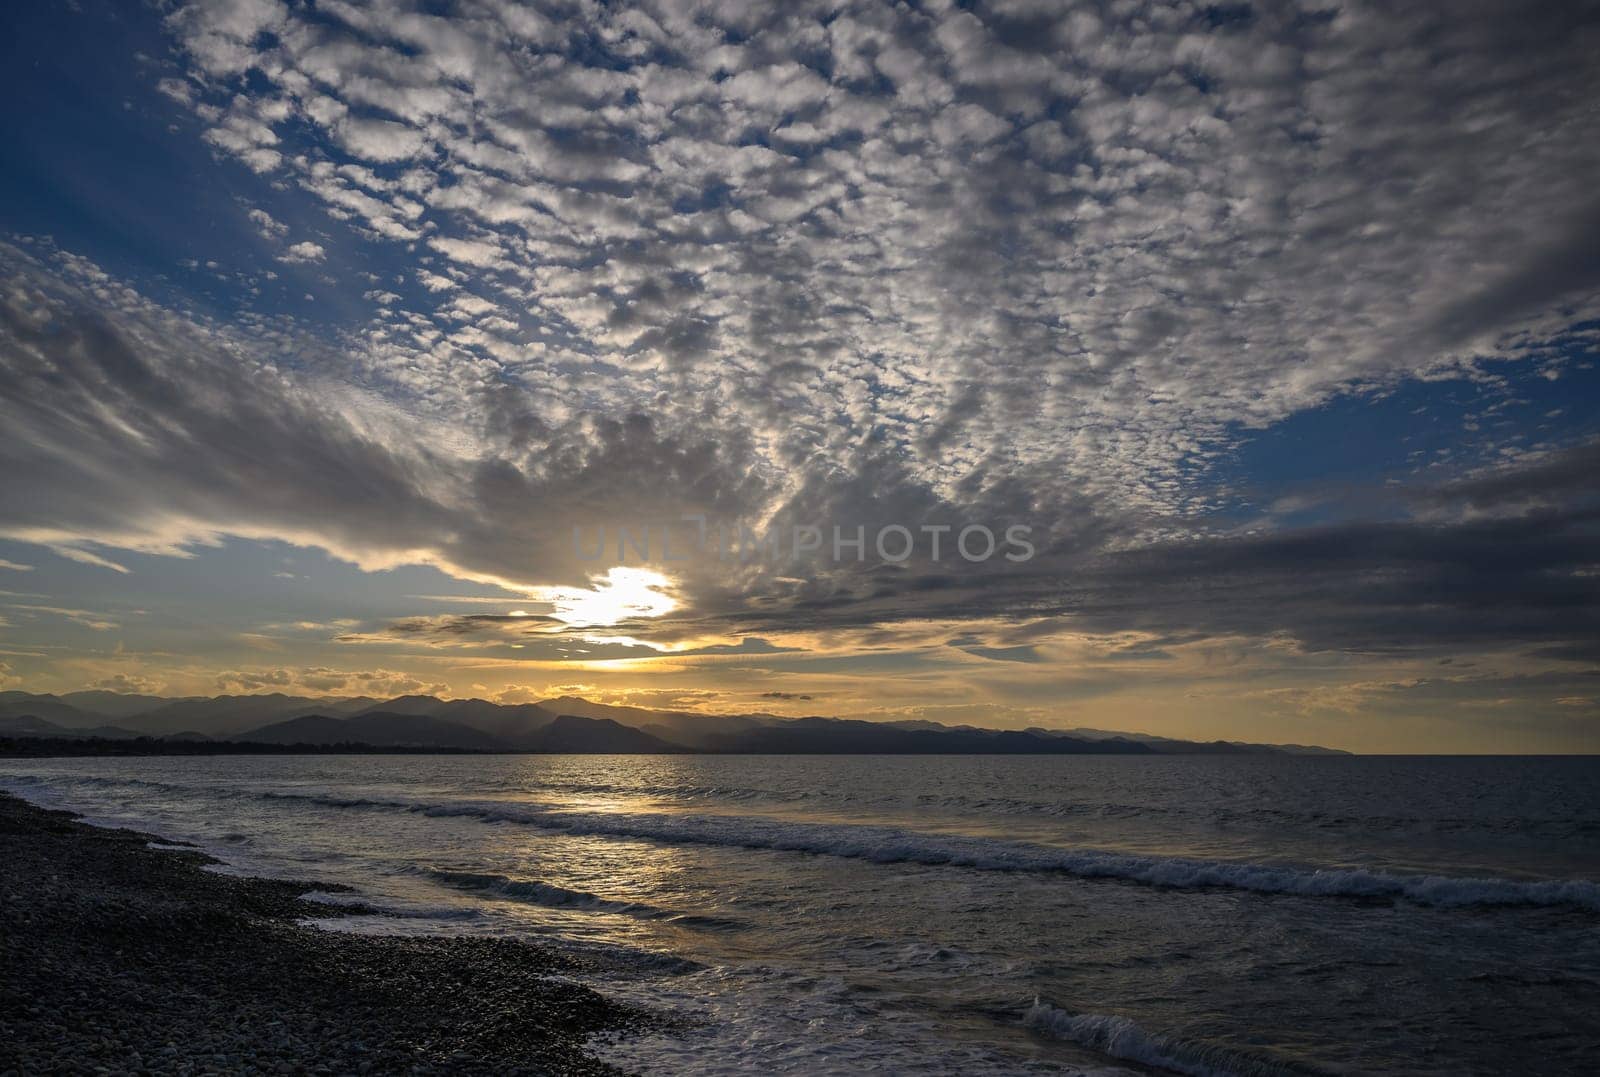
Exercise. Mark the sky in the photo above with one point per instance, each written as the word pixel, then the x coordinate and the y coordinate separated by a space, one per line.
pixel 370 348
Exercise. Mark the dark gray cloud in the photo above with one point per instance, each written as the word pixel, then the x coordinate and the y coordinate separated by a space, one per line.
pixel 1447 576
pixel 1395 587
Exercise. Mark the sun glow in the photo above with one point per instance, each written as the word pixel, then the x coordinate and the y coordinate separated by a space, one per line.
pixel 622 594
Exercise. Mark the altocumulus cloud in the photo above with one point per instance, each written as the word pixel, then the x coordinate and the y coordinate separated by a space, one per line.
pixel 1086 241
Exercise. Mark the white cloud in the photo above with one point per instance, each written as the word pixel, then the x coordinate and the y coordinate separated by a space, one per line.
pixel 85 557
pixel 265 224
pixel 221 35
pixel 380 140
pixel 178 90
pixel 1155 254
pixel 482 254
pixel 434 282
pixel 302 252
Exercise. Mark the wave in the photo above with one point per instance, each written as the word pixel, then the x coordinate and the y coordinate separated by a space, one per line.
pixel 379 916
pixel 892 845
pixel 1577 827
pixel 91 781
pixel 677 791
pixel 1118 1037
pixel 884 844
pixel 550 896
pixel 533 892
pixel 1556 827
pixel 529 890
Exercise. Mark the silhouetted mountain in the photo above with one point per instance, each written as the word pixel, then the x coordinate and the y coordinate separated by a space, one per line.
pixel 117 704
pixel 701 731
pixel 832 736
pixel 564 733
pixel 28 725
pixel 227 716
pixel 49 707
pixel 675 727
pixel 531 727
pixel 514 723
pixel 406 705
pixel 511 722
pixel 1174 746
pixel 380 730
pixel 508 722
pixel 937 727
pixel 569 724
pixel 632 716
pixel 575 733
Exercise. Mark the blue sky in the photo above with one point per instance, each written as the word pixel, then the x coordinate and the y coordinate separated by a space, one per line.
pixel 327 323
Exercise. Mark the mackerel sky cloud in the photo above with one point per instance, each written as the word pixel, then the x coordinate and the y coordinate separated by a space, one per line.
pixel 1276 323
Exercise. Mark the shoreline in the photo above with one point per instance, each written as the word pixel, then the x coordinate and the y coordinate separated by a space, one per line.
pixel 131 959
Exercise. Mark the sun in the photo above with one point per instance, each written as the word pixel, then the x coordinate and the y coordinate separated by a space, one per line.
pixel 621 594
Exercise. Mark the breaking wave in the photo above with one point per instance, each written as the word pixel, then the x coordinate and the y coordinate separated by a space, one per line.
pixel 1118 1037
pixel 893 845
pixel 549 896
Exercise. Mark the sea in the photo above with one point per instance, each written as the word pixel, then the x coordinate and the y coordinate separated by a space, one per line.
pixel 1200 915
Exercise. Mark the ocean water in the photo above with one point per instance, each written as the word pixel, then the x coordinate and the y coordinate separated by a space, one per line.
pixel 973 915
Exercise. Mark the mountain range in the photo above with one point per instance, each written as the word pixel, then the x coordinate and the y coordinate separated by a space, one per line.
pixel 561 724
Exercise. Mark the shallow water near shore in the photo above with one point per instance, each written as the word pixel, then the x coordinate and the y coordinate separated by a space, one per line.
pixel 1197 915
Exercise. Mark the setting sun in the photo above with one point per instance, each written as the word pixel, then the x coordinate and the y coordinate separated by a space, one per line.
pixel 620 595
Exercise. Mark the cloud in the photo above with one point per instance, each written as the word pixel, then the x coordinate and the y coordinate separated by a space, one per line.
pixel 267 225
pixel 85 557
pixel 100 622
pixel 1496 557
pixel 1384 587
pixel 13 566
pixel 383 141
pixel 866 265
pixel 254 680
pixel 526 693
pixel 177 90
pixel 221 36
pixel 303 252
pixel 483 254
pixel 1136 231
pixel 129 683
pixel 322 680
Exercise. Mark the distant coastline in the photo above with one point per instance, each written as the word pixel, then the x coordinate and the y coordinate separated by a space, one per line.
pixel 108 723
pixel 77 747
pixel 86 747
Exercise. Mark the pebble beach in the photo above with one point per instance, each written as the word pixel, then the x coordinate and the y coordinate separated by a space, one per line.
pixel 123 958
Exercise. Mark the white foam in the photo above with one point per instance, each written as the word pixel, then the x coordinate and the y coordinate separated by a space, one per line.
pixel 1118 1037
pixel 776 1022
